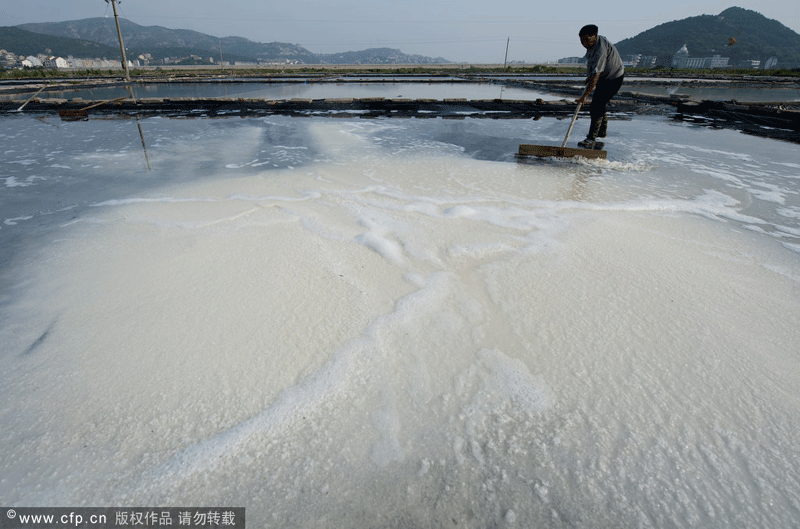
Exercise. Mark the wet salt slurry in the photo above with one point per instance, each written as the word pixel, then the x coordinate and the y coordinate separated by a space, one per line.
pixel 358 323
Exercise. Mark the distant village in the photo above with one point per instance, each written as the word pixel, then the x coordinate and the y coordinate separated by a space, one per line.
pixel 680 60
pixel 9 61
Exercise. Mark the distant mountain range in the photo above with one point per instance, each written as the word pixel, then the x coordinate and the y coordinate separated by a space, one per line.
pixel 22 42
pixel 737 33
pixel 160 43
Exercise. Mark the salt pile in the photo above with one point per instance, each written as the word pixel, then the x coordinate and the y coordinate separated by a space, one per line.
pixel 371 323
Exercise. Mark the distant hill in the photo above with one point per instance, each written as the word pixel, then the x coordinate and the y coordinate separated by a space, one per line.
pixel 161 42
pixel 378 56
pixel 23 42
pixel 754 37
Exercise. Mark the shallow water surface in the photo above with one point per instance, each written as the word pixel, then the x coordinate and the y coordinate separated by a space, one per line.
pixel 301 90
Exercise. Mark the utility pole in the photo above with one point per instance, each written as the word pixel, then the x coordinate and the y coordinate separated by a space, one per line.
pixel 121 45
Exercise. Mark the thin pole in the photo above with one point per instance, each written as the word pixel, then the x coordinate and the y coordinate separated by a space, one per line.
pixel 505 63
pixel 121 45
pixel 30 99
pixel 571 123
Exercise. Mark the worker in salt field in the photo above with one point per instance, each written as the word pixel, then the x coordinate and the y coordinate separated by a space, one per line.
pixel 605 73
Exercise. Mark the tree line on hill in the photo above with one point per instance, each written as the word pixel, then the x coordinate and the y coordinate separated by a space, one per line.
pixel 740 34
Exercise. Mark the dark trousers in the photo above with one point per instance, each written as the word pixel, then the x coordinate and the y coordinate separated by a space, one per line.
pixel 603 92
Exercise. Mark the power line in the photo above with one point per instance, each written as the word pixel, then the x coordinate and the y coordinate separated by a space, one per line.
pixel 454 21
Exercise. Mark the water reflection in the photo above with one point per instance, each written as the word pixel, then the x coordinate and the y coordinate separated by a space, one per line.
pixel 144 146
pixel 721 93
pixel 305 90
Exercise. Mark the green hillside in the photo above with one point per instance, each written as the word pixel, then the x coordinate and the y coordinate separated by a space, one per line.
pixel 22 42
pixel 754 37
pixel 161 42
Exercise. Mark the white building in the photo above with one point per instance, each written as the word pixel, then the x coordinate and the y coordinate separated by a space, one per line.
pixel 695 63
pixel 32 62
pixel 8 59
pixel 719 62
pixel 681 60
pixel 55 62
pixel 631 60
pixel 647 61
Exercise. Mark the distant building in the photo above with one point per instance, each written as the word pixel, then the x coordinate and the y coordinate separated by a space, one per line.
pixel 695 63
pixel 750 64
pixel 719 62
pixel 639 61
pixel 88 64
pixel 55 62
pixel 572 60
pixel 8 59
pixel 631 61
pixel 770 63
pixel 682 60
pixel 647 61
pixel 79 63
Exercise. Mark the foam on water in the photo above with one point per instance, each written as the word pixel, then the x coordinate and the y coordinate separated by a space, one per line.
pixel 388 329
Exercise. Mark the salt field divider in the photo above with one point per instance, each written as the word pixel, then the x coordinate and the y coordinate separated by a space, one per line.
pixel 774 120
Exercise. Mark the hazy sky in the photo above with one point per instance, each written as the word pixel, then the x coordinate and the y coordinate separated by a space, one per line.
pixel 461 31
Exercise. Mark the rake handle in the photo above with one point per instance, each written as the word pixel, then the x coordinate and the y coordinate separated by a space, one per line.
pixel 569 130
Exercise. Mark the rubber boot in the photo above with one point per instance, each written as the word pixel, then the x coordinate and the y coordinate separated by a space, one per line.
pixel 594 131
pixel 595 128
pixel 601 133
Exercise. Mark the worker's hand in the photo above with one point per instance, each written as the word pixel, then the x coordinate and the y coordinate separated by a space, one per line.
pixel 582 99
